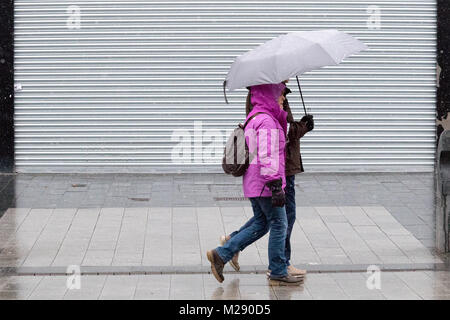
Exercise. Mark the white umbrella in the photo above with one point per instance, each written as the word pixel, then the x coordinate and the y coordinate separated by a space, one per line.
pixel 290 55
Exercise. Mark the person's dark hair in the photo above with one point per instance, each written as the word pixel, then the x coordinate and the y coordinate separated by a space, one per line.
pixel 248 103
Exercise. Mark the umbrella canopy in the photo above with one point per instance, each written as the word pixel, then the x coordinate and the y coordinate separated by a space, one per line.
pixel 291 55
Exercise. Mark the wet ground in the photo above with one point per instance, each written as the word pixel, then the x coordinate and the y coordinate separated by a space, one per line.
pixel 393 285
pixel 144 236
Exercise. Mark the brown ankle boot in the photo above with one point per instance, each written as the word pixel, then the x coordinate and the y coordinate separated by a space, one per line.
pixel 216 265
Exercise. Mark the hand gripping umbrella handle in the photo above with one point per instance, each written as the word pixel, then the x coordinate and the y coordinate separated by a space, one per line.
pixel 301 95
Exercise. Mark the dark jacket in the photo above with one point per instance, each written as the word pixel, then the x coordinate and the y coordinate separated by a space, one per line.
pixel 297 130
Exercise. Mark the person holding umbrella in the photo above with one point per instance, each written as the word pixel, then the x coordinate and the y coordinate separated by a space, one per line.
pixel 263 183
pixel 293 165
pixel 264 69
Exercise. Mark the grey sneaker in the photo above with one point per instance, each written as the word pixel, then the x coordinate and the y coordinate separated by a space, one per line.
pixel 216 265
pixel 287 280
pixel 295 272
pixel 292 271
pixel 234 261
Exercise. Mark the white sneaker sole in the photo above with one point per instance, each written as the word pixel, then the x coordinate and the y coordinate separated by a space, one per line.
pixel 300 276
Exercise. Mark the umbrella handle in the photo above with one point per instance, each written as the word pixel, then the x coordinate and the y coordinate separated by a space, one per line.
pixel 224 91
pixel 301 95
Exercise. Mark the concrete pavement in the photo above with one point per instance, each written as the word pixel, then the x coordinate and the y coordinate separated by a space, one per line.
pixel 411 285
pixel 145 237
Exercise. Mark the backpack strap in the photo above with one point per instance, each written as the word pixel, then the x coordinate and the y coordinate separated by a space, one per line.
pixel 248 120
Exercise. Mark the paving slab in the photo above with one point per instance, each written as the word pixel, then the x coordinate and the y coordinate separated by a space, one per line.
pixel 180 236
pixel 141 225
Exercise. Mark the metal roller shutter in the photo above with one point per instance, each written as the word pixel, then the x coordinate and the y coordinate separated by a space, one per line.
pixel 105 86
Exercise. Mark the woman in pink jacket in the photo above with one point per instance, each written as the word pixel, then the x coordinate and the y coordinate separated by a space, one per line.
pixel 263 183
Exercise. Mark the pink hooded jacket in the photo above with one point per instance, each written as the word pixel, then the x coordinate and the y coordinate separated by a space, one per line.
pixel 266 137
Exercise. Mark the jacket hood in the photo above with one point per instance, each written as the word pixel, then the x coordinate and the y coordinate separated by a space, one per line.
pixel 286 107
pixel 264 98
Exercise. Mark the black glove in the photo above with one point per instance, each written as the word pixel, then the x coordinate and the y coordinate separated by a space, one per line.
pixel 278 196
pixel 309 121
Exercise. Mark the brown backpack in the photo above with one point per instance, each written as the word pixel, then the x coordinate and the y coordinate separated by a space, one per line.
pixel 236 157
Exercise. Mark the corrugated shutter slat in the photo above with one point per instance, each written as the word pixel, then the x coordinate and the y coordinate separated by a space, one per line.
pixel 109 95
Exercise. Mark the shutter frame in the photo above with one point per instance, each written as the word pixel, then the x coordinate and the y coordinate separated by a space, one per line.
pixel 107 97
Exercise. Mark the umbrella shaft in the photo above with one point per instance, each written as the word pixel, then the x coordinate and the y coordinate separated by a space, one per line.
pixel 301 94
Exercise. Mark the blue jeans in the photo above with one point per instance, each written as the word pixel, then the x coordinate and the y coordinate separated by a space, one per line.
pixel 265 217
pixel 290 213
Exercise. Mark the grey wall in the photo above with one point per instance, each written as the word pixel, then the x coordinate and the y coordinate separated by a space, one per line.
pixel 442 111
pixel 6 86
